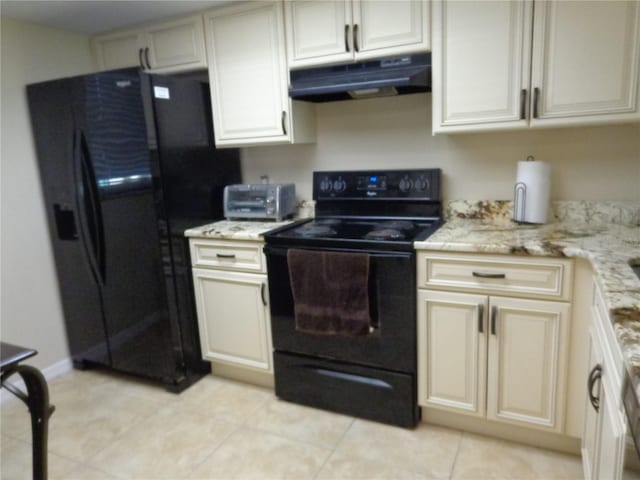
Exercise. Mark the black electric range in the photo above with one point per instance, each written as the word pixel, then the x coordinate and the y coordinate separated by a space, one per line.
pixel 372 214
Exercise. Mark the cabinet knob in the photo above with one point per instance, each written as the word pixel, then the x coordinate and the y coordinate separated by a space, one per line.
pixel 488 275
pixel 494 315
pixel 594 376
pixel 146 57
pixel 283 119
pixel 262 289
pixel 536 95
pixel 346 38
pixel 140 58
pixel 480 318
pixel 356 47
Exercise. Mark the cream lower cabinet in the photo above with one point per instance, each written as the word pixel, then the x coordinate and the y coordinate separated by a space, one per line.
pixel 494 357
pixel 502 358
pixel 231 293
pixel 603 438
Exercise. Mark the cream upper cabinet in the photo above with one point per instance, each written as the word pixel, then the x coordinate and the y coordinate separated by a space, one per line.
pixel 493 356
pixel 177 46
pixel 320 32
pixel 585 62
pixel 249 78
pixel 480 64
pixel 168 47
pixel 119 50
pixel 581 66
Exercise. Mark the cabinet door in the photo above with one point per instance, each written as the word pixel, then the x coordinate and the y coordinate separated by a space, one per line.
pixel 118 50
pixel 177 45
pixel 611 436
pixel 591 417
pixel 585 62
pixel 481 64
pixel 248 74
pixel 395 27
pixel 318 32
pixel 528 345
pixel 233 318
pixel 452 351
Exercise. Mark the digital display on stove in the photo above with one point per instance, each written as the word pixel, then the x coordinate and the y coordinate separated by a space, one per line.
pixel 372 182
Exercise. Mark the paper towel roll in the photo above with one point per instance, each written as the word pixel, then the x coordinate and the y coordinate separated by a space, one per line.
pixel 532 191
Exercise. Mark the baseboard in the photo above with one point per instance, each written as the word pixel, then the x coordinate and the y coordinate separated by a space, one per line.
pixel 528 436
pixel 50 372
pixel 262 379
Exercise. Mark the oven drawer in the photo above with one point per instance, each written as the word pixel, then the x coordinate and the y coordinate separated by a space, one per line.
pixel 227 255
pixel 371 393
pixel 501 274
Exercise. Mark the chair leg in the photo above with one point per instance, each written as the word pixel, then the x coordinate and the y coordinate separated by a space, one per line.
pixel 38 402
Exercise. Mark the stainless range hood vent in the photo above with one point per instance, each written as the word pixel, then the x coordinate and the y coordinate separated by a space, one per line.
pixel 383 77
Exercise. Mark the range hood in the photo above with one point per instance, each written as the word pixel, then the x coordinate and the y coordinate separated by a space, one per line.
pixel 382 77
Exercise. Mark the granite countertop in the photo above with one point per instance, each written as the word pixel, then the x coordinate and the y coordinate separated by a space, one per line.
pixel 235 229
pixel 577 229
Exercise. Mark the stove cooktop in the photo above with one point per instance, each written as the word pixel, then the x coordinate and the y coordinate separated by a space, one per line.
pixel 368 231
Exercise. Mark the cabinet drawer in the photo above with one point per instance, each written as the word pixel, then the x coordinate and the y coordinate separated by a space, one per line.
pixel 506 275
pixel 241 256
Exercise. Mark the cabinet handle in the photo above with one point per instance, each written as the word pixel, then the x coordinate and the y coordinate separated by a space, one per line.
pixel 146 57
pixel 283 119
pixel 140 58
pixel 346 38
pixel 494 314
pixel 225 255
pixel 356 47
pixel 480 318
pixel 523 103
pixel 594 375
pixel 262 288
pixel 488 275
pixel 536 94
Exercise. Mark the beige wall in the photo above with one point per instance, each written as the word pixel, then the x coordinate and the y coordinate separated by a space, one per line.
pixel 599 163
pixel 30 310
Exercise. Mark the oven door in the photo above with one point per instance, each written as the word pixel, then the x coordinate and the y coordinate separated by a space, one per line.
pixel 392 295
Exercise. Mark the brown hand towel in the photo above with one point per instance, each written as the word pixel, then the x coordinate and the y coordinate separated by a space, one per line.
pixel 330 291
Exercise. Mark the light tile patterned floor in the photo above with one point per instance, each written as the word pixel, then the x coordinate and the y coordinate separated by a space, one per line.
pixel 110 427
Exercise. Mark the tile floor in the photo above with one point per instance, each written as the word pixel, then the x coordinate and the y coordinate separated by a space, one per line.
pixel 109 427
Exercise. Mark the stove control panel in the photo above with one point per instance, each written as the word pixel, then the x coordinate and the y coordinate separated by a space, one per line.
pixel 418 184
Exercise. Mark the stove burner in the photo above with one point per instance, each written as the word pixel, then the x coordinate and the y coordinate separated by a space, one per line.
pixel 385 234
pixel 312 230
pixel 397 225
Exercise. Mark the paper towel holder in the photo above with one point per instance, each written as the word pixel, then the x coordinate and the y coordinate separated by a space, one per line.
pixel 520 198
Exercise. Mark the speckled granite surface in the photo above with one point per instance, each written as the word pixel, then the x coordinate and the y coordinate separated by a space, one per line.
pixel 235 229
pixel 605 233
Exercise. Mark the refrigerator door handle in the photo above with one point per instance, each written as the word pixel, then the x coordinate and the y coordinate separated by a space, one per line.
pixel 90 223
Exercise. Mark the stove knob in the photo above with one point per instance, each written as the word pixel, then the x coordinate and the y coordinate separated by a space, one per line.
pixel 339 185
pixel 325 185
pixel 422 184
pixel 405 184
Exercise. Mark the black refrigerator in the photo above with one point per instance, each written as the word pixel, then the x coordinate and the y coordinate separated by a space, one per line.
pixel 128 162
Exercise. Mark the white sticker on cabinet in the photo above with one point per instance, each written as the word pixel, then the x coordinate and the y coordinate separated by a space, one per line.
pixel 161 92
